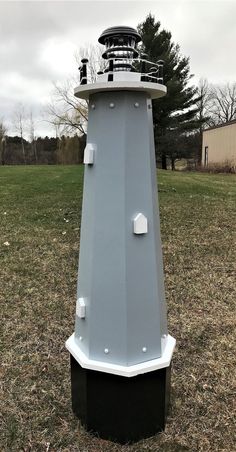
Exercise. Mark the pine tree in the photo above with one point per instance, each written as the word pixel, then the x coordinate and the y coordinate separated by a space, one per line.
pixel 175 115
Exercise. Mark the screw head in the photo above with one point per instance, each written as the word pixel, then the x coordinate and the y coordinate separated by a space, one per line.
pixel 93 106
pixel 144 349
pixel 106 350
pixel 136 104
pixel 112 105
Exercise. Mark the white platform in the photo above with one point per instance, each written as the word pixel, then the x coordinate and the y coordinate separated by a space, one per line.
pixel 125 371
pixel 155 90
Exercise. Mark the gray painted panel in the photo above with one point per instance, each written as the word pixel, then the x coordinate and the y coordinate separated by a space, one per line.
pixel 120 273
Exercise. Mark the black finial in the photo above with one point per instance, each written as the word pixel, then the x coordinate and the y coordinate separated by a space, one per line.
pixel 160 71
pixel 143 57
pixel 83 71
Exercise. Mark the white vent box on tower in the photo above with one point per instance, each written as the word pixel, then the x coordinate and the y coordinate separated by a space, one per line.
pixel 140 224
pixel 81 308
pixel 89 153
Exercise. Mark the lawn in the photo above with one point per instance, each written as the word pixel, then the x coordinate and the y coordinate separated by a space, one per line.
pixel 39 241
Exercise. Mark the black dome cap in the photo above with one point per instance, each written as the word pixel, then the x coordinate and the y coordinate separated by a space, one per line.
pixel 120 30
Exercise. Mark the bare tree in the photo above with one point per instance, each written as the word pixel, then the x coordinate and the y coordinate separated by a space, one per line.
pixel 216 104
pixel 67 113
pixel 222 106
pixel 95 61
pixel 203 104
pixel 19 121
pixel 32 136
pixel 3 131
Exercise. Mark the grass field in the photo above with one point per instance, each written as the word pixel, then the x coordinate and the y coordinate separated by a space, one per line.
pixel 39 240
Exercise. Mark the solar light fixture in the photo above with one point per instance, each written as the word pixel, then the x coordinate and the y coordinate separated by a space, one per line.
pixel 121 350
pixel 122 55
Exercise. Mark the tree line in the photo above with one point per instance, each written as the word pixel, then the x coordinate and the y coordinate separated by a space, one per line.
pixel 64 150
pixel 179 118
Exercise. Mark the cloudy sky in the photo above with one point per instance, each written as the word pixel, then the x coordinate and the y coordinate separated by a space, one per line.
pixel 38 41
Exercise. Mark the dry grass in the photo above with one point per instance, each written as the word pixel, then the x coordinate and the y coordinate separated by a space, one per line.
pixel 38 287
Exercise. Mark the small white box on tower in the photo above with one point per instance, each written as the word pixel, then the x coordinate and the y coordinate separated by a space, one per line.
pixel 140 224
pixel 89 153
pixel 81 308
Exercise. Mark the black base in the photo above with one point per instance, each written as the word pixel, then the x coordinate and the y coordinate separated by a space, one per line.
pixel 122 409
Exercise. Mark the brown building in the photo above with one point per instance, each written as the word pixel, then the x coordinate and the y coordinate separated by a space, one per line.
pixel 219 145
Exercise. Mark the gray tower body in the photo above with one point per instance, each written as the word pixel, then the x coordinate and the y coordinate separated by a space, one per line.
pixel 120 272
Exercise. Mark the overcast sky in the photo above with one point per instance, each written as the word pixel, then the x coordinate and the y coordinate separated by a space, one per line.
pixel 38 41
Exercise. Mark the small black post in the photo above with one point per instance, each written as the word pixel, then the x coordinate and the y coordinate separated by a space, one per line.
pixel 153 74
pixel 160 71
pixel 83 71
pixel 143 67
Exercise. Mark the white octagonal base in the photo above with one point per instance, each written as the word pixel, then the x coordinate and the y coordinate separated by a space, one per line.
pixel 125 371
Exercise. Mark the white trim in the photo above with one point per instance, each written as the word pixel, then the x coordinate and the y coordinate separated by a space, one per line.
pixel 155 90
pixel 116 369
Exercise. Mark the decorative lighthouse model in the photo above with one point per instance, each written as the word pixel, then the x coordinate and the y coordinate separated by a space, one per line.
pixel 121 350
